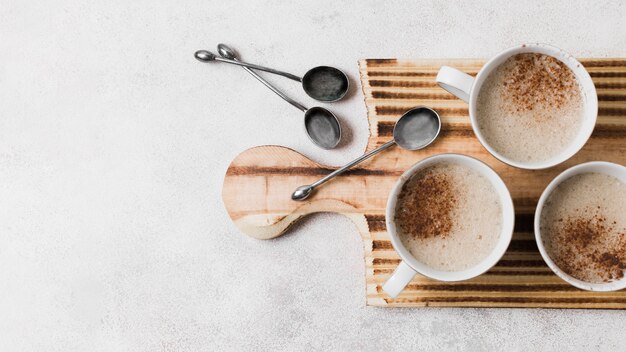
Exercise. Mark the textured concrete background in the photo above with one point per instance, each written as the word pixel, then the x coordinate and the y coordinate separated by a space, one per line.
pixel 113 145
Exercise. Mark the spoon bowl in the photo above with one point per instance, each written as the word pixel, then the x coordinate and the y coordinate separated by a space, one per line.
pixel 417 128
pixel 322 127
pixel 325 83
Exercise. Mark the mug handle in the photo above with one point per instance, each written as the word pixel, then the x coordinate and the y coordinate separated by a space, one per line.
pixel 456 82
pixel 399 279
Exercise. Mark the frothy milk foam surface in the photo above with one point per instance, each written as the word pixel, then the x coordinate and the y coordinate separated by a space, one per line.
pixel 530 108
pixel 449 216
pixel 583 227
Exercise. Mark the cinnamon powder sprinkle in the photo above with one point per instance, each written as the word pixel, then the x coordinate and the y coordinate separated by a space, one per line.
pixel 536 81
pixel 426 204
pixel 590 249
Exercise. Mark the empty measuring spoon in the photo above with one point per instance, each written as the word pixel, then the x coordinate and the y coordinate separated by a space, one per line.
pixel 321 125
pixel 416 129
pixel 322 83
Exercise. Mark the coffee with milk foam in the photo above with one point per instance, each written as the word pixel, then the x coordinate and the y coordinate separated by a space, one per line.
pixel 449 216
pixel 530 108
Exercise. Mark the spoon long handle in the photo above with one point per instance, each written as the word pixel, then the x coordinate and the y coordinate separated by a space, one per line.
pixel 274 89
pixel 352 163
pixel 261 68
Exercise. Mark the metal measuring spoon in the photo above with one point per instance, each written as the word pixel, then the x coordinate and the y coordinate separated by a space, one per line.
pixel 416 129
pixel 322 83
pixel 321 125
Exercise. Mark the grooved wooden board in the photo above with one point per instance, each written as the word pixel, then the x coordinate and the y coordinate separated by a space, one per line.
pixel 259 182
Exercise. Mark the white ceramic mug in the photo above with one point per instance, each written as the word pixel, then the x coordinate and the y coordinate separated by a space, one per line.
pixel 409 266
pixel 467 88
pixel 602 167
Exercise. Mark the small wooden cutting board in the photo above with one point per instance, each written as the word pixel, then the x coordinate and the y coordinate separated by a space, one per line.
pixel 259 182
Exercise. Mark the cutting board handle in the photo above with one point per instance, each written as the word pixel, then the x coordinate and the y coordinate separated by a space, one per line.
pixel 259 182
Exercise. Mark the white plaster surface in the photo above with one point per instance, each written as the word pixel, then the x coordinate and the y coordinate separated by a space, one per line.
pixel 114 141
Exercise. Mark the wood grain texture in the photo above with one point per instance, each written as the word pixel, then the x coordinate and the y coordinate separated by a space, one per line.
pixel 259 182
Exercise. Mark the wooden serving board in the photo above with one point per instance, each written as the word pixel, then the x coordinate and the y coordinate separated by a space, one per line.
pixel 259 182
